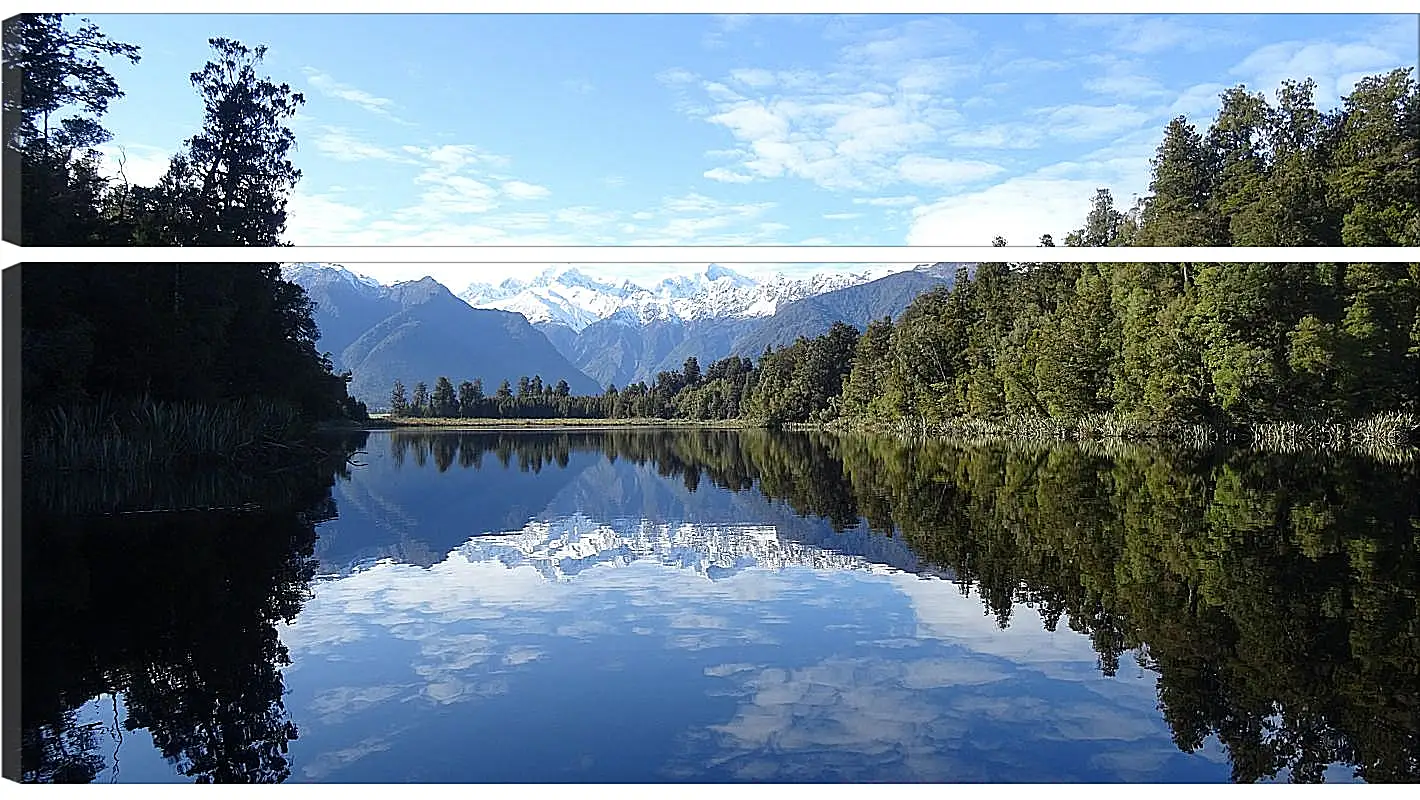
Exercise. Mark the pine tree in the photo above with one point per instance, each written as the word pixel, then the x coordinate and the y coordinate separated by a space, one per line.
pixel 443 401
pixel 1234 142
pixel 1179 212
pixel 399 404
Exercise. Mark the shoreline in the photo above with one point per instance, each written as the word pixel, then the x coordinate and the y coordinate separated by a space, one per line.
pixel 1388 431
pixel 550 424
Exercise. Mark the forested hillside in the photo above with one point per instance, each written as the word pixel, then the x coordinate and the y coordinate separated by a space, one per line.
pixel 1154 343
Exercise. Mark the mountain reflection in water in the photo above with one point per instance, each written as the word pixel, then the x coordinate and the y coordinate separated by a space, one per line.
pixel 644 605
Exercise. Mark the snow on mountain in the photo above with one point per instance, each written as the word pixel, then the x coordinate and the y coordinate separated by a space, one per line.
pixel 570 297
pixel 567 296
pixel 562 548
pixel 307 272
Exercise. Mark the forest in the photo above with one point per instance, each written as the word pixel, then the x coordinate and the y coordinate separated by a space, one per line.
pixel 158 365
pixel 1066 351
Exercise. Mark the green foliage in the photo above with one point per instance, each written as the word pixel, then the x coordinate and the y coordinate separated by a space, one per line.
pixel 1166 345
pixel 114 436
pixel 228 185
pixel 1286 174
pixel 1270 594
pixel 399 400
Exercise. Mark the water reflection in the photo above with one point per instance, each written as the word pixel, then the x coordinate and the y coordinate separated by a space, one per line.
pixel 717 606
pixel 169 618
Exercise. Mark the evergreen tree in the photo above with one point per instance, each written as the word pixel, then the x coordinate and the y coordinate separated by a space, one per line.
pixel 443 402
pixel 230 184
pixel 1375 172
pixel 1179 213
pixel 399 403
pixel 1102 225
pixel 1234 142
pixel 470 397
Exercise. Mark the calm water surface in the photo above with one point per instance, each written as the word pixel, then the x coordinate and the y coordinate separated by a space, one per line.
pixel 711 606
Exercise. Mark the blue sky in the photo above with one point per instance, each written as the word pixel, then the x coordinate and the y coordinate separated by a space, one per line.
pixel 722 130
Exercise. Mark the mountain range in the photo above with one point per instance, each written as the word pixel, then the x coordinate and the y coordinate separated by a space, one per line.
pixel 568 516
pixel 417 331
pixel 623 348
pixel 569 297
pixel 565 324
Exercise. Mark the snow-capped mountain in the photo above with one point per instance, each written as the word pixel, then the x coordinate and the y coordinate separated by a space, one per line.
pixel 309 273
pixel 567 296
pixel 418 330
pixel 616 332
pixel 562 548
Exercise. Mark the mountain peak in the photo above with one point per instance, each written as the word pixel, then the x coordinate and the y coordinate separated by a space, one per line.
pixel 715 272
pixel 420 291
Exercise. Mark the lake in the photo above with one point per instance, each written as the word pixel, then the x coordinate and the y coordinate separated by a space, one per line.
pixel 724 606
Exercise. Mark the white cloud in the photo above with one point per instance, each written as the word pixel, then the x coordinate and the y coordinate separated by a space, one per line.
pixel 1084 122
pixel 584 216
pixel 901 200
pixel 1334 65
pixel 525 220
pixel 846 125
pixel 321 218
pixel 1153 34
pixel 756 78
pixel 842 215
pixel 330 87
pixel 141 165
pixel 520 190
pixel 727 176
pixel 930 171
pixel 1053 199
pixel 1014 136
pixel 454 157
pixel 1029 64
pixel 700 219
pixel 341 145
pixel 1124 78
pixel 1198 102
pixel 675 76
pixel 1130 86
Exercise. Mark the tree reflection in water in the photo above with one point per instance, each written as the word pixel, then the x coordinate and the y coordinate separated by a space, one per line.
pixel 174 612
pixel 1273 595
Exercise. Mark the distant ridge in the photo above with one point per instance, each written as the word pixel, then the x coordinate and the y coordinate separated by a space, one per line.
pixel 418 330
